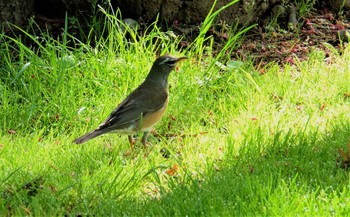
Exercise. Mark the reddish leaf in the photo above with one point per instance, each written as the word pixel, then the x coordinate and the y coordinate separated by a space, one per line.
pixel 344 155
pixel 173 170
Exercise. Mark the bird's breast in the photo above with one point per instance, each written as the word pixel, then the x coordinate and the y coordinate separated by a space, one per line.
pixel 150 119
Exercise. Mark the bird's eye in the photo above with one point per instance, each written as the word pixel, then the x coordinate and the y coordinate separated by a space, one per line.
pixel 168 61
pixel 171 63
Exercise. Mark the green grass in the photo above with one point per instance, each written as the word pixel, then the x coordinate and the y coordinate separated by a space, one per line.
pixel 245 143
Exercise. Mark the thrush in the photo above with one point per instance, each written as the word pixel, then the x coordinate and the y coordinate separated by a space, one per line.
pixel 144 106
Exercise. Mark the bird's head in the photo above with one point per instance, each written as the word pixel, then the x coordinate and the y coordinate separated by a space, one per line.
pixel 162 67
pixel 167 63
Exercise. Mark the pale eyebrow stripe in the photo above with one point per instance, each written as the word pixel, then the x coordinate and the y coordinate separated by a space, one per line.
pixel 164 61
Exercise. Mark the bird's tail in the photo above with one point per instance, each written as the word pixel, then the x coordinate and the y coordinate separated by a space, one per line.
pixel 87 136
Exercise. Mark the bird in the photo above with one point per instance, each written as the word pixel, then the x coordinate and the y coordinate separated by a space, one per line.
pixel 143 107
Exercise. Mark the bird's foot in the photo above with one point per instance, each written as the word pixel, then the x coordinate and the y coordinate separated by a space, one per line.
pixel 145 145
pixel 131 151
pixel 132 142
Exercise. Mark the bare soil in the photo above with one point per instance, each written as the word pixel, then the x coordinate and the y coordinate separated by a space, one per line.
pixel 280 45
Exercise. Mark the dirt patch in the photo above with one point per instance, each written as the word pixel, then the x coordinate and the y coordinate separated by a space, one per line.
pixel 263 45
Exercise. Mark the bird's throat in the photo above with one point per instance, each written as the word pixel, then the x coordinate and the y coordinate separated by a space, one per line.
pixel 158 81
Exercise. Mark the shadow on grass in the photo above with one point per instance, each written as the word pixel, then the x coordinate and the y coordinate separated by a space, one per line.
pixel 296 174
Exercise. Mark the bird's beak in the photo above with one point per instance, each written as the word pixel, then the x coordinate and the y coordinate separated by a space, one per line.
pixel 180 59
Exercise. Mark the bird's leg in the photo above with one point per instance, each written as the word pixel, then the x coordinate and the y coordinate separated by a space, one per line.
pixel 144 139
pixel 131 141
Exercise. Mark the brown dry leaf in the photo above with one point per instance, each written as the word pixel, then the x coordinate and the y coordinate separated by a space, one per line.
pixel 12 132
pixel 346 95
pixel 173 170
pixel 170 172
pixel 176 167
pixel 344 155
pixel 343 161
pixel 170 123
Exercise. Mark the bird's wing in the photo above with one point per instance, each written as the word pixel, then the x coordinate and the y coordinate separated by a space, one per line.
pixel 140 102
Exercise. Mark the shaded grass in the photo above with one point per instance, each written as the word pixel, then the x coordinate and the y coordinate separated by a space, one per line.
pixel 244 143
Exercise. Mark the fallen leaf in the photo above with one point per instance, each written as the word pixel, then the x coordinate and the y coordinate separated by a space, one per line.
pixel 176 167
pixel 12 132
pixel 173 170
pixel 346 95
pixel 343 160
pixel 344 155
